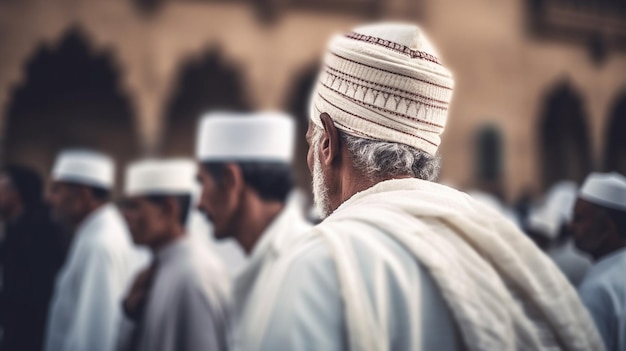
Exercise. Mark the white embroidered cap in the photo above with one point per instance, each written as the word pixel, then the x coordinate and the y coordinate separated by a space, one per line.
pixel 385 82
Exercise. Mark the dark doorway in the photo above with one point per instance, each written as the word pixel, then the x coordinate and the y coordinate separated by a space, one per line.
pixel 489 159
pixel 69 98
pixel 203 84
pixel 615 149
pixel 564 142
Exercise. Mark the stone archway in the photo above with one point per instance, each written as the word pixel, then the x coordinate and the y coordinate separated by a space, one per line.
pixel 563 137
pixel 615 147
pixel 70 97
pixel 203 84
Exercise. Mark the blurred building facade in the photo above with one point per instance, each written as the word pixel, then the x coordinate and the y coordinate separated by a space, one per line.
pixel 540 85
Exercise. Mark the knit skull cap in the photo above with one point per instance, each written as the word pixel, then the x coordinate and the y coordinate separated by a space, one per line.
pixel 384 82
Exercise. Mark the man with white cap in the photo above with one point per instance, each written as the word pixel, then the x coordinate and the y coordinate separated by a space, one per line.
pixel 101 261
pixel 400 262
pixel 245 170
pixel 599 226
pixel 182 302
pixel 550 220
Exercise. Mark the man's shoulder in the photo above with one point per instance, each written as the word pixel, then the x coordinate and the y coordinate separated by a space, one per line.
pixel 604 284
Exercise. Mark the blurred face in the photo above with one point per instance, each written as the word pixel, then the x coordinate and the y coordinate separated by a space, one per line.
pixel 320 188
pixel 66 202
pixel 219 203
pixel 148 223
pixel 589 227
pixel 9 198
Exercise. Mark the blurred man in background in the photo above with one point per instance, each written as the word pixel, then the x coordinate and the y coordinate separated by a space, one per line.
pixel 101 260
pixel 400 262
pixel 247 193
pixel 599 226
pixel 550 220
pixel 181 302
pixel 30 256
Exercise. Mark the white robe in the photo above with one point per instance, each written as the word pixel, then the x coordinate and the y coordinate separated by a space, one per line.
pixel 188 305
pixel 287 226
pixel 412 265
pixel 603 291
pixel 85 310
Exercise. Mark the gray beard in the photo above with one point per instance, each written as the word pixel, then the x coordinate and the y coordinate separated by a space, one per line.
pixel 320 191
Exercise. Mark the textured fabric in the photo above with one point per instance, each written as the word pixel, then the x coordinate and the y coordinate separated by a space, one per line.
pixel 502 291
pixel 384 82
pixel 86 307
pixel 305 314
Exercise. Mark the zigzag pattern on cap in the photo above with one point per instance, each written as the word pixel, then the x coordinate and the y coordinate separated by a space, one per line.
pixel 384 90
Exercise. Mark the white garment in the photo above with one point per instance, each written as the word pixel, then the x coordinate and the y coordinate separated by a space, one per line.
pixel 188 305
pixel 85 310
pixel 287 226
pixel 490 288
pixel 573 263
pixel 603 291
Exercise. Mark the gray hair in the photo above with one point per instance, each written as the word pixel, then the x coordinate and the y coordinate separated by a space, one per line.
pixel 375 158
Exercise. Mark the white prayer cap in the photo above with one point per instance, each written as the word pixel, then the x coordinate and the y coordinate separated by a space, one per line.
pixel 384 82
pixel 606 190
pixel 261 136
pixel 161 177
pixel 84 167
pixel 556 209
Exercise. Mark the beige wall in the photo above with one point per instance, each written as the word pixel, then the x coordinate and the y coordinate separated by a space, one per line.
pixel 502 73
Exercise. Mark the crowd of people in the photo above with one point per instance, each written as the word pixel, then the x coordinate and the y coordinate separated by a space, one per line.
pixel 396 261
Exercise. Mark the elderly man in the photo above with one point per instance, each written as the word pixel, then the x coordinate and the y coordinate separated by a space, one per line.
pixel 187 288
pixel 101 260
pixel 599 226
pixel 400 262
pixel 245 170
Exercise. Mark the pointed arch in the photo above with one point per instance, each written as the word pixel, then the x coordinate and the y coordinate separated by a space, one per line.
pixel 70 97
pixel 206 83
pixel 565 152
pixel 615 147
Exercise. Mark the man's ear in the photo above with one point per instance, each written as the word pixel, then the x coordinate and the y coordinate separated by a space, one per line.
pixel 330 142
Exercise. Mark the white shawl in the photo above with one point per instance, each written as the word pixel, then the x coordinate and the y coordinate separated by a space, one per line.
pixel 503 292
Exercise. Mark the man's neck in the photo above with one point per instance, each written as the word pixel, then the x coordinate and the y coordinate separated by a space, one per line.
pixel 258 219
pixel 354 183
